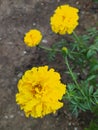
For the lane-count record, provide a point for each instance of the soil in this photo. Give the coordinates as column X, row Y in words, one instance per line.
column 16, row 18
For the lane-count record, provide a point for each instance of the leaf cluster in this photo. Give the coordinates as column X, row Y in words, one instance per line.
column 83, row 57
column 84, row 62
column 78, row 101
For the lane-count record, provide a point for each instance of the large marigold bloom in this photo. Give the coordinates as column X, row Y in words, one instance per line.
column 64, row 19
column 32, row 38
column 40, row 92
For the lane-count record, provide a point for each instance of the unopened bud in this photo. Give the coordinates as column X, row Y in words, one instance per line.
column 64, row 50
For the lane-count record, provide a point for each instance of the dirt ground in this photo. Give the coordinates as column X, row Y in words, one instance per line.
column 16, row 18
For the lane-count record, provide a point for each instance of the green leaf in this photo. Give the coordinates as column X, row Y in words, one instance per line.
column 91, row 77
column 91, row 53
column 71, row 56
column 83, row 106
column 73, row 102
column 94, row 47
column 95, row 95
column 71, row 87
column 91, row 89
column 96, row 40
column 94, row 68
column 92, row 32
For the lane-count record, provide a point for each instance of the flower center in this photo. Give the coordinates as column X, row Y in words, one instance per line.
column 63, row 17
column 37, row 89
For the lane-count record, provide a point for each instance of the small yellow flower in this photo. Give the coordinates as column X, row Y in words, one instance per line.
column 40, row 92
column 64, row 19
column 32, row 38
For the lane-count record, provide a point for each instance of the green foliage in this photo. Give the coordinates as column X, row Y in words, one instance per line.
column 94, row 122
column 95, row 110
column 93, row 126
column 81, row 59
column 82, row 91
column 95, row 1
column 78, row 101
column 84, row 57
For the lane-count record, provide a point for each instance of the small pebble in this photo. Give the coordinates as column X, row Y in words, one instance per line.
column 20, row 113
column 77, row 2
column 75, row 128
column 6, row 117
column 24, row 52
column 34, row 24
column 82, row 12
column 11, row 116
column 69, row 123
column 44, row 41
column 42, row 3
column 15, row 79
column 19, row 75
column 10, row 43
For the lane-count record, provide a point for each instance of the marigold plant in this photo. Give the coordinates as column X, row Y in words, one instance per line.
column 33, row 37
column 64, row 19
column 40, row 91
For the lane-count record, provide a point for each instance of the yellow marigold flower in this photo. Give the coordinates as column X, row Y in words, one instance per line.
column 32, row 38
column 40, row 91
column 64, row 20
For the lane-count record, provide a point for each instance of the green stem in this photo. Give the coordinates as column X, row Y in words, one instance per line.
column 72, row 75
column 48, row 48
column 45, row 48
column 77, row 38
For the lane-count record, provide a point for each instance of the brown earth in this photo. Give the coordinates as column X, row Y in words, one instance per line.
column 16, row 18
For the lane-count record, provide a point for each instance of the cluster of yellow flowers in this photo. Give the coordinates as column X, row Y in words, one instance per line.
column 64, row 20
column 40, row 91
